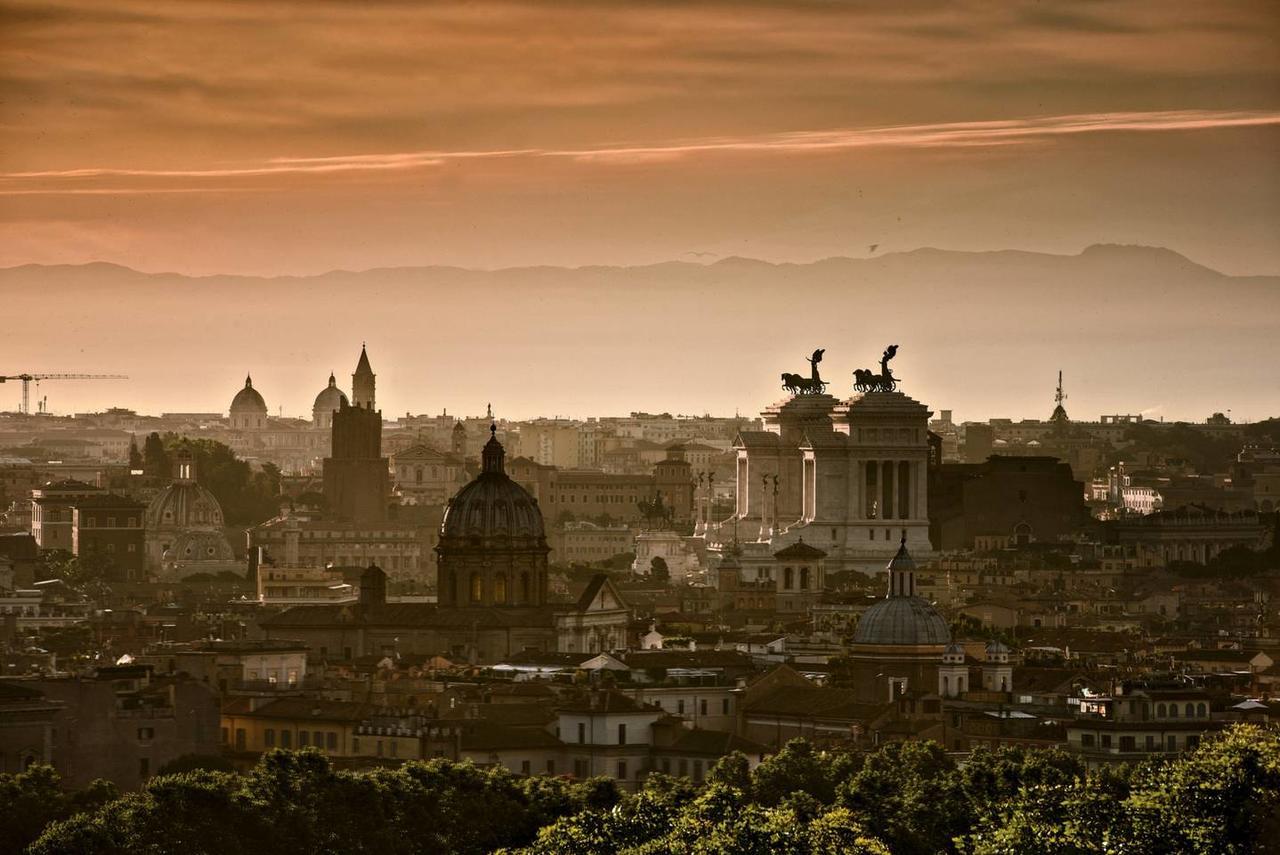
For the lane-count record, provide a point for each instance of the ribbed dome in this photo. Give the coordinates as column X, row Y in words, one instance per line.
column 902, row 617
column 247, row 400
column 199, row 546
column 330, row 399
column 494, row 507
column 902, row 620
column 184, row 504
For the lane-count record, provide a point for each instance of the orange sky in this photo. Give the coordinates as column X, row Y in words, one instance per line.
column 295, row 137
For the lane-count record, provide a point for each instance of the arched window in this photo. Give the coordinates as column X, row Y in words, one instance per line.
column 1161, row 712
column 500, row 588
column 946, row 685
column 477, row 587
column 417, row 475
column 1202, row 710
column 1022, row 534
column 524, row 587
column 1173, row 710
column 1190, row 710
column 804, row 578
column 788, row 578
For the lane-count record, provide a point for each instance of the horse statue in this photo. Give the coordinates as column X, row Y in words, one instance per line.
column 811, row 385
column 864, row 380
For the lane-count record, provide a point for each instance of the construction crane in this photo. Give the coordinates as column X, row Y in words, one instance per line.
column 28, row 378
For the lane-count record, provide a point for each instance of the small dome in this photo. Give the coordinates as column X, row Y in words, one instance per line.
column 955, row 648
column 182, row 505
column 331, row 398
column 494, row 507
column 247, row 400
column 996, row 647
column 902, row 620
column 193, row 546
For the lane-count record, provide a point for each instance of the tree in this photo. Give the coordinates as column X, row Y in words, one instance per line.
column 155, row 457
column 658, row 570
column 136, row 460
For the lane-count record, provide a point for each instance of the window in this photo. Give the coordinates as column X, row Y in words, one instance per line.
column 579, row 768
column 1161, row 711
column 704, row 706
column 240, row 738
column 724, row 704
column 622, row 770
column 317, row 739
column 1190, row 710
column 286, row 739
column 525, row 767
column 1202, row 710
column 551, row 767
column 269, row 737
column 1172, row 743
column 622, row 738
column 697, row 771
column 355, row 745
column 680, row 706
column 304, row 738
column 582, row 733
column 1128, row 743
column 684, row 768
column 788, row 579
column 331, row 741
column 1086, row 740
column 477, row 588
column 146, row 734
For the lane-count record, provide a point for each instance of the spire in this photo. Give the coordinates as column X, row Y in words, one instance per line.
column 333, row 381
column 363, row 382
column 493, row 454
column 248, row 382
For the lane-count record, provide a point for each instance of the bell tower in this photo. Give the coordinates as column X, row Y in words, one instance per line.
column 363, row 382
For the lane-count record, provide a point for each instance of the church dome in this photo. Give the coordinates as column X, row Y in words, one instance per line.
column 247, row 400
column 331, row 398
column 902, row 618
column 493, row 507
column 199, row 546
column 184, row 504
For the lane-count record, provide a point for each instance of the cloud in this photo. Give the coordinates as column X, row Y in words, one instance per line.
column 979, row 134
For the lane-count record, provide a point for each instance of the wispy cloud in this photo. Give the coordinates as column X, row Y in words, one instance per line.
column 981, row 134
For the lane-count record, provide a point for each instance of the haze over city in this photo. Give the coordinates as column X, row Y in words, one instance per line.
column 686, row 426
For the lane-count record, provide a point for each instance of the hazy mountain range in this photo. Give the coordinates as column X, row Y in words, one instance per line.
column 1134, row 329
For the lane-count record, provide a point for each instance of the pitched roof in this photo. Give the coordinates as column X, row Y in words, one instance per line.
column 815, row 702
column 489, row 736
column 314, row 709
column 606, row 701
column 713, row 743
column 800, row 549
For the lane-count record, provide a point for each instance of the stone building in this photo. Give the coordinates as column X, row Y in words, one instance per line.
column 356, row 475
column 899, row 642
column 1010, row 500
column 493, row 591
column 248, row 409
column 53, row 512
column 184, row 525
column 111, row 528
column 848, row 476
column 328, row 401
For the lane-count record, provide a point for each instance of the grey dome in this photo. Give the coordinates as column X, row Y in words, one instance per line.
column 494, row 508
column 184, row 504
column 331, row 398
column 902, row 620
column 247, row 400
column 199, row 546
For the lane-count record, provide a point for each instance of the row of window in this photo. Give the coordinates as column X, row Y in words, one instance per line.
column 1130, row 743
column 93, row 521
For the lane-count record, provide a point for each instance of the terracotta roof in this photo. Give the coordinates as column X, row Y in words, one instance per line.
column 814, row 702
column 296, row 709
column 713, row 743
column 490, row 736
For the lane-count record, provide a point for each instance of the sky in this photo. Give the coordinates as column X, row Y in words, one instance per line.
column 228, row 136
column 303, row 136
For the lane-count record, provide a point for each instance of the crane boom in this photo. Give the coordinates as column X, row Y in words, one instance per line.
column 27, row 378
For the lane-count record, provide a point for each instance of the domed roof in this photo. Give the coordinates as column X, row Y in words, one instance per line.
column 902, row 617
column 199, row 546
column 902, row 620
column 330, row 398
column 184, row 504
column 493, row 506
column 247, row 400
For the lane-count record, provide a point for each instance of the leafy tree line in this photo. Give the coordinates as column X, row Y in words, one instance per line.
column 247, row 497
column 1223, row 797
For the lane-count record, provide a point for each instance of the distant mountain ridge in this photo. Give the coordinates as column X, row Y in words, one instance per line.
column 1101, row 251
column 1136, row 329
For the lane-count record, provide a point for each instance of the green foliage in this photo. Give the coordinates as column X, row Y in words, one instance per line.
column 247, row 497
column 194, row 762
column 31, row 800
column 1223, row 797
